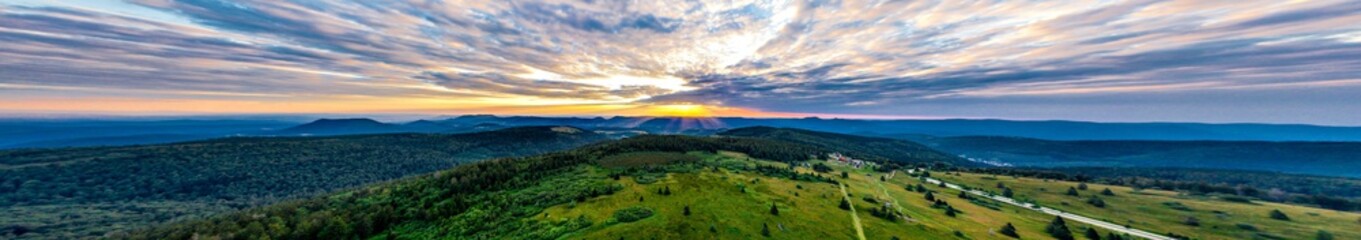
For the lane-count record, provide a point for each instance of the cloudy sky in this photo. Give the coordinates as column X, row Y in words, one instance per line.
column 1207, row 61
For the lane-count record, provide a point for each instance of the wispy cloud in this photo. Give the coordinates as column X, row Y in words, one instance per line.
column 844, row 57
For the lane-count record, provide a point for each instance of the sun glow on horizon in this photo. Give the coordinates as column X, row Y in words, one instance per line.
column 679, row 110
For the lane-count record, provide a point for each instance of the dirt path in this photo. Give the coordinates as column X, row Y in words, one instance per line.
column 896, row 206
column 1051, row 211
column 859, row 231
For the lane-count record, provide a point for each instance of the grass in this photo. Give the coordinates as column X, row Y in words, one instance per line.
column 1164, row 211
column 721, row 209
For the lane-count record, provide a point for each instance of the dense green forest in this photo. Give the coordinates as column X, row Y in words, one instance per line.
column 881, row 150
column 82, row 192
column 479, row 200
column 1317, row 158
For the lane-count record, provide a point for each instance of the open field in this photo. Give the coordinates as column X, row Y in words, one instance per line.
column 731, row 203
column 1168, row 212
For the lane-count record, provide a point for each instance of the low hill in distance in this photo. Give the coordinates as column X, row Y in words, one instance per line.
column 1316, row 158
column 881, row 150
column 83, row 133
column 683, row 187
column 88, row 192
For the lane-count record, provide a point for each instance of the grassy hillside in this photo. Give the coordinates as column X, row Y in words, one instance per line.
column 84, row 192
column 676, row 187
column 881, row 150
column 1215, row 217
column 1318, row 158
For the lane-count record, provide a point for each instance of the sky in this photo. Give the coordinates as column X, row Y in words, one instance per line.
column 1271, row 61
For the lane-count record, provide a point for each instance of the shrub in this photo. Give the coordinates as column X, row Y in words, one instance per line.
column 1278, row 215
column 1009, row 231
column 1191, row 221
column 1323, row 235
column 1107, row 192
column 1246, row 226
column 631, row 214
column 1096, row 201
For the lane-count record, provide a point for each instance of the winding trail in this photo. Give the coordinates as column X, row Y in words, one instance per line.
column 1055, row 212
column 859, row 230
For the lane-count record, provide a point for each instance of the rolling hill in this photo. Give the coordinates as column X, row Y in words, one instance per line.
column 679, row 187
column 881, row 150
column 86, row 192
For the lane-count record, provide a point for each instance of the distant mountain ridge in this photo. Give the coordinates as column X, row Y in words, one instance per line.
column 19, row 134
column 1050, row 130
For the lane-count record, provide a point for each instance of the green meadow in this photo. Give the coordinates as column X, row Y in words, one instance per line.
column 728, row 199
column 1215, row 217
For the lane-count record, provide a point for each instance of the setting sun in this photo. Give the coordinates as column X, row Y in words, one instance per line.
column 679, row 110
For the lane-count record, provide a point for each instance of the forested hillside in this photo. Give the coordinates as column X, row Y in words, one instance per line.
column 881, row 150
column 490, row 191
column 80, row 192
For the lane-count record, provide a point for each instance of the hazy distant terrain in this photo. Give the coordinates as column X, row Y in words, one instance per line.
column 1318, row 158
column 34, row 133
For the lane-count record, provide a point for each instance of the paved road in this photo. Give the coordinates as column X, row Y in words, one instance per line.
column 1051, row 211
column 859, row 231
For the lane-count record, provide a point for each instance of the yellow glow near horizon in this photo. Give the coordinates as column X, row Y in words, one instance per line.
column 679, row 110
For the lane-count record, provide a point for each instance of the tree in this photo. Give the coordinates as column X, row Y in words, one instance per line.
column 846, row 205
column 1092, row 234
column 881, row 179
column 687, row 210
column 1072, row 191
column 1082, row 186
column 1278, row 215
column 773, row 210
column 1323, row 235
column 1059, row 229
column 765, row 230
column 940, row 184
column 1009, row 231
column 1107, row 192
column 844, row 174
column 950, row 211
column 999, row 185
column 964, row 195
column 1112, row 236
column 1006, row 192
column 930, row 197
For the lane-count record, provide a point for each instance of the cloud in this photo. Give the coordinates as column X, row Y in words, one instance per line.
column 847, row 56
